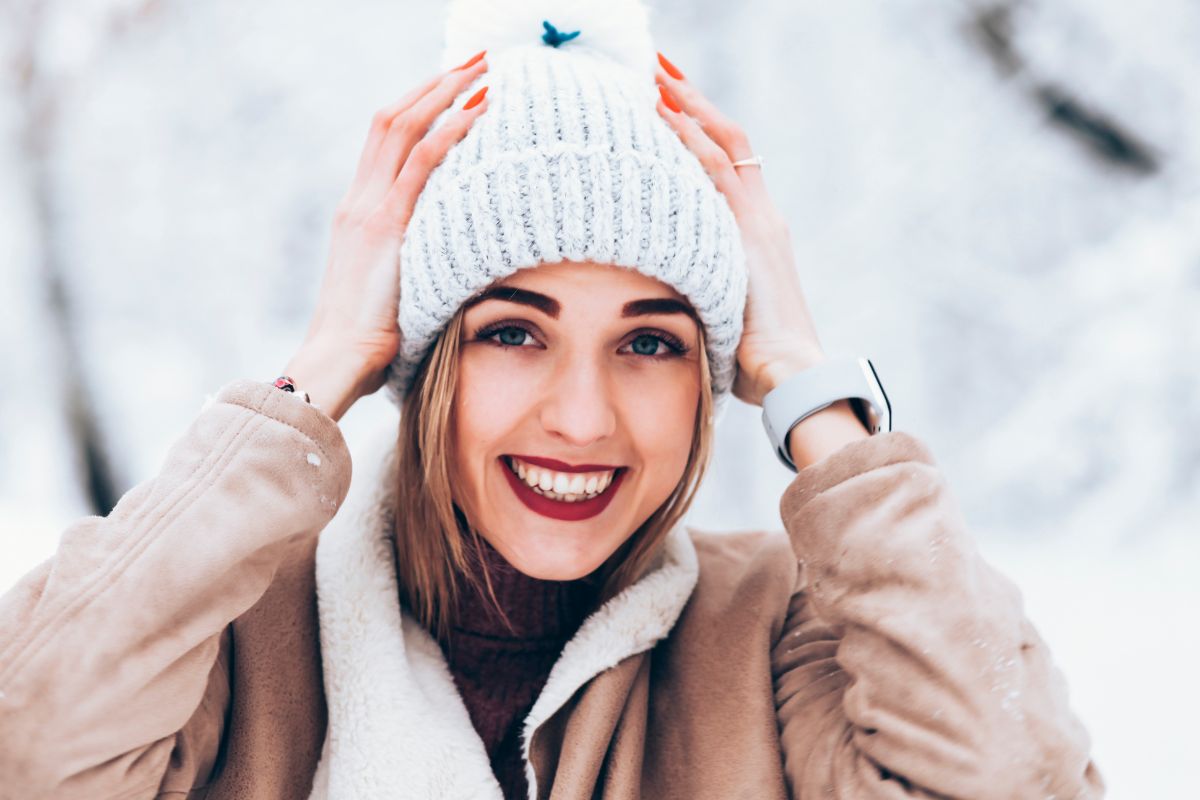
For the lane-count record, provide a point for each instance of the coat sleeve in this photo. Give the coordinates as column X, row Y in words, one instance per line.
column 906, row 666
column 112, row 652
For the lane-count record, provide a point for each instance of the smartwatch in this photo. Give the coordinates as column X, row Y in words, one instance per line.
column 820, row 386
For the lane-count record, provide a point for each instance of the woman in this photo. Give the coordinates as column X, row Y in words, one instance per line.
column 514, row 609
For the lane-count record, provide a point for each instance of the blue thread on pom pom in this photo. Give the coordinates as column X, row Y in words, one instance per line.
column 554, row 37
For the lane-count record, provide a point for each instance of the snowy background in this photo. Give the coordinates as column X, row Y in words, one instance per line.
column 998, row 202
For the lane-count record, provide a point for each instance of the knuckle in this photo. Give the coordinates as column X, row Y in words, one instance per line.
column 713, row 124
column 737, row 138
column 711, row 158
column 716, row 126
column 423, row 154
column 401, row 124
column 342, row 213
column 416, row 157
column 724, row 129
column 381, row 120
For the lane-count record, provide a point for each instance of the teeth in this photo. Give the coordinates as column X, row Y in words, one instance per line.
column 564, row 487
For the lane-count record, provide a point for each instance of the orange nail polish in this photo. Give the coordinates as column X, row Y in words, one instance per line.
column 471, row 61
column 671, row 69
column 668, row 99
column 476, row 99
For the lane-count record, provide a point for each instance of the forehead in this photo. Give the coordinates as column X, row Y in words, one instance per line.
column 589, row 279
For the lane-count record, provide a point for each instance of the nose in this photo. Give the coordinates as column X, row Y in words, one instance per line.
column 579, row 406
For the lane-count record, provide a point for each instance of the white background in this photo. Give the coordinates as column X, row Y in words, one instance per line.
column 1031, row 305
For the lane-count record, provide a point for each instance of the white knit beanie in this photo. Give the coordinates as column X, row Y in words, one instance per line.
column 571, row 161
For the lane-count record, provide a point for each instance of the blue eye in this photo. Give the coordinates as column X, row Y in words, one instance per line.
column 505, row 335
column 649, row 344
column 512, row 336
column 646, row 344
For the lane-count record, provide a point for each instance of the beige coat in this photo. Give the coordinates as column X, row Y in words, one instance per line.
column 176, row 647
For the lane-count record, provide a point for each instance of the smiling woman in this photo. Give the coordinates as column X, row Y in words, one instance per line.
column 553, row 365
column 560, row 280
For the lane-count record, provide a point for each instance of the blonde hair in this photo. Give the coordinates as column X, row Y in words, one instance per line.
column 432, row 532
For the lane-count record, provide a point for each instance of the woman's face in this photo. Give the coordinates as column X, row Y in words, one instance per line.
column 586, row 377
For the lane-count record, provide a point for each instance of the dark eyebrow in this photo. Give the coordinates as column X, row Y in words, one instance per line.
column 658, row 305
column 550, row 307
column 547, row 305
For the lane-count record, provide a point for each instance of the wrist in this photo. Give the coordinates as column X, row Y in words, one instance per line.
column 780, row 369
column 824, row 433
column 332, row 379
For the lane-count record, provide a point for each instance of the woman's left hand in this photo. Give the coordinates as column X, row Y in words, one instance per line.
column 779, row 338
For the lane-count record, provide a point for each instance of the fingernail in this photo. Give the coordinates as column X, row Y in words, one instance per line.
column 476, row 99
column 471, row 61
column 671, row 69
column 668, row 99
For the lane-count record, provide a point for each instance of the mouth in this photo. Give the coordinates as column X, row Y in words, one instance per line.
column 562, row 495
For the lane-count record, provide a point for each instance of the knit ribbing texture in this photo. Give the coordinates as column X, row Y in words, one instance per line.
column 570, row 162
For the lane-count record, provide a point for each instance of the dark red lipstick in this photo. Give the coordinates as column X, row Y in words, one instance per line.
column 561, row 466
column 556, row 509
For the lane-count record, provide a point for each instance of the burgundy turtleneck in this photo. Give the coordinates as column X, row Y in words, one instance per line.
column 499, row 672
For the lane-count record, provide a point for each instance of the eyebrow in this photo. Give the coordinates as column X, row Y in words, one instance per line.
column 551, row 307
column 547, row 305
column 658, row 305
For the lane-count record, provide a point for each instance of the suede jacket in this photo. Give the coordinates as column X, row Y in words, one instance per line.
column 232, row 630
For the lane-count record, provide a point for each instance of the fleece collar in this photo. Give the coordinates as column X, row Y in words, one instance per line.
column 397, row 725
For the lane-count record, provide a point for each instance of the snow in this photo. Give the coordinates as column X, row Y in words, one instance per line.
column 1030, row 305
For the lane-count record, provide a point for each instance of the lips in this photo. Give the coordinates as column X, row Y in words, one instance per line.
column 555, row 509
column 559, row 466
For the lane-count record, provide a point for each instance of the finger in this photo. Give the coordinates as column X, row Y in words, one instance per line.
column 380, row 122
column 397, row 206
column 728, row 135
column 408, row 127
column 713, row 158
column 383, row 118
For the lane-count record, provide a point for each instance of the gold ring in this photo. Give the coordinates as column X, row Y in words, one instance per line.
column 752, row 161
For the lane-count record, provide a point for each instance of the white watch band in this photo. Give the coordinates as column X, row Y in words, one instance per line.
column 822, row 385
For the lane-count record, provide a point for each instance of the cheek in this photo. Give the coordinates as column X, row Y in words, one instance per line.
column 661, row 418
column 490, row 402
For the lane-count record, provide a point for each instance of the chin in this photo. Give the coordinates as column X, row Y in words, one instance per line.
column 553, row 572
column 552, row 562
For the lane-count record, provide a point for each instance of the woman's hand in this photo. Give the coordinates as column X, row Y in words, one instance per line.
column 779, row 338
column 353, row 335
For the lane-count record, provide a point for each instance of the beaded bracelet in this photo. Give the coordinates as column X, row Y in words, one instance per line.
column 288, row 385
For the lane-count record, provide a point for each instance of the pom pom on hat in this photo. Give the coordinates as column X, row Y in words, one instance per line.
column 571, row 162
column 617, row 29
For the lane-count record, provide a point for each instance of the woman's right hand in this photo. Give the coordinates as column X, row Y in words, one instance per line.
column 354, row 335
